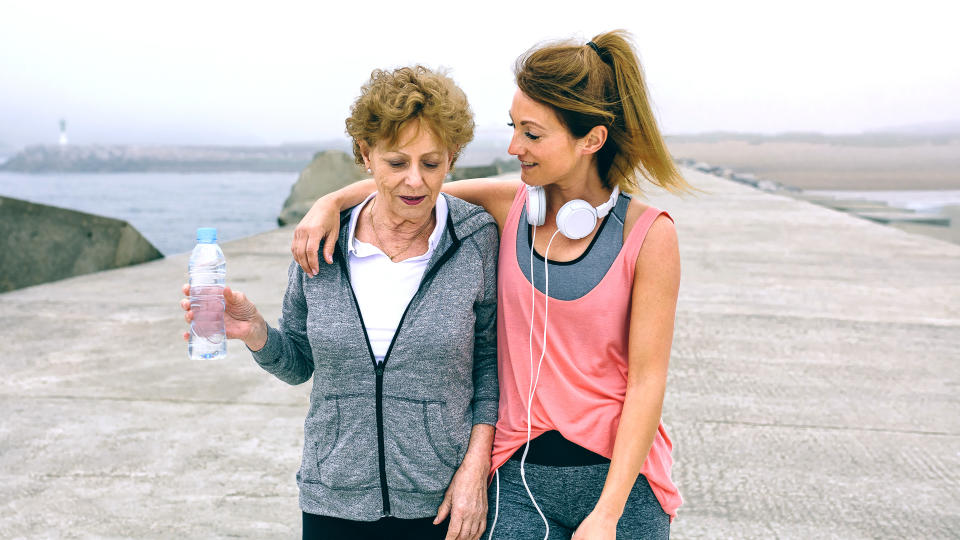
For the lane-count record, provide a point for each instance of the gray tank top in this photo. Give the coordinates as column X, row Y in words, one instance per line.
column 573, row 279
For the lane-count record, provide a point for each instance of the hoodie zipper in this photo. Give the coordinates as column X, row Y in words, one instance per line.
column 378, row 368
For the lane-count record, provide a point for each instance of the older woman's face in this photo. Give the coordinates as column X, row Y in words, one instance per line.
column 409, row 176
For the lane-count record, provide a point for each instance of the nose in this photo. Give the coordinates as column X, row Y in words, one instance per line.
column 515, row 148
column 414, row 177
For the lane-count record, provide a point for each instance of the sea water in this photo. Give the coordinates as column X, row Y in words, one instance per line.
column 167, row 208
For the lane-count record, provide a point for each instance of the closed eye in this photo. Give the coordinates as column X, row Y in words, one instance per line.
column 529, row 135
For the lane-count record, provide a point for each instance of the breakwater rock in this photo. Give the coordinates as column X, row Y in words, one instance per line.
column 329, row 171
column 117, row 158
column 43, row 243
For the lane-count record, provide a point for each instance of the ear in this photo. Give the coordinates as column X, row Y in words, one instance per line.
column 453, row 154
column 593, row 141
column 365, row 153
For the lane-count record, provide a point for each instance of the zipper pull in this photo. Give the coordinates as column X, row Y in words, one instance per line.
column 379, row 368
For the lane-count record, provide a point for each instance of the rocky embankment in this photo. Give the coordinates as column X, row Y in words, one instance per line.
column 106, row 159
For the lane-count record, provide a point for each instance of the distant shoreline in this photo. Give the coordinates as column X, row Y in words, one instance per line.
column 866, row 163
column 881, row 161
column 895, row 208
column 125, row 159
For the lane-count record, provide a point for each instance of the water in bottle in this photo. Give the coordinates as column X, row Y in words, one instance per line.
column 208, row 337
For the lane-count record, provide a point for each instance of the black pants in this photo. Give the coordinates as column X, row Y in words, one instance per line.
column 388, row 528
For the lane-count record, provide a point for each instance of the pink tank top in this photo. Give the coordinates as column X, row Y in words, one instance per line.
column 583, row 379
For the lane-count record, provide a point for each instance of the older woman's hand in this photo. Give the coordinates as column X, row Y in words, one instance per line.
column 241, row 318
column 466, row 500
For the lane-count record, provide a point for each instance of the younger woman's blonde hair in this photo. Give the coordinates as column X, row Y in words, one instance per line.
column 603, row 85
column 392, row 99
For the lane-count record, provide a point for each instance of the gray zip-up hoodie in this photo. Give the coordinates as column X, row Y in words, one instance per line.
column 386, row 440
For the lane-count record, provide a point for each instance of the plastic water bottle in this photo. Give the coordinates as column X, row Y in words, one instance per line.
column 208, row 269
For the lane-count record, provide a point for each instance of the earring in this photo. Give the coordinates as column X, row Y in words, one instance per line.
column 369, row 170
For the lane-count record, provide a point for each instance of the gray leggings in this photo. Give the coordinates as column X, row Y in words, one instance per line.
column 566, row 495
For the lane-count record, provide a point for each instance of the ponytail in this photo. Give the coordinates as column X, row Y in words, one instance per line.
column 602, row 83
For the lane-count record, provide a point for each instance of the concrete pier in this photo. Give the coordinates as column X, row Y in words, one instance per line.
column 814, row 389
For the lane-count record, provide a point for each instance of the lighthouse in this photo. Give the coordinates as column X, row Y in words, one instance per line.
column 63, row 132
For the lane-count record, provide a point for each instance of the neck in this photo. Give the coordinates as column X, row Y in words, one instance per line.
column 387, row 223
column 585, row 184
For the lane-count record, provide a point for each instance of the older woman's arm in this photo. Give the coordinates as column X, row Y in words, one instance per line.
column 285, row 352
column 466, row 498
column 486, row 385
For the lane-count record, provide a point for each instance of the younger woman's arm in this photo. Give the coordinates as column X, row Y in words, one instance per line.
column 321, row 225
column 656, row 286
column 494, row 195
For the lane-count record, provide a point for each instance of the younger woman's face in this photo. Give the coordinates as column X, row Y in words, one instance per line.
column 546, row 149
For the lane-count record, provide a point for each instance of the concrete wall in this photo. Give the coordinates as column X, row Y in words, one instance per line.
column 40, row 243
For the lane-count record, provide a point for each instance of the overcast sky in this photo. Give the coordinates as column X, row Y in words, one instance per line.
column 237, row 73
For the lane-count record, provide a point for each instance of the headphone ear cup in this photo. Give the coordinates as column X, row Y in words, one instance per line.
column 576, row 219
column 536, row 205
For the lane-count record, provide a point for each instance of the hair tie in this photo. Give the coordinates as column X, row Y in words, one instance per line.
column 602, row 53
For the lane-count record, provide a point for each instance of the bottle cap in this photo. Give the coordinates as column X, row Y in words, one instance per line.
column 207, row 235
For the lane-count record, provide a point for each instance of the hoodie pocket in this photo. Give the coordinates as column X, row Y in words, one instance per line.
column 345, row 451
column 420, row 454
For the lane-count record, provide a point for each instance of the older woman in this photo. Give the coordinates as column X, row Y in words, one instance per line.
column 399, row 335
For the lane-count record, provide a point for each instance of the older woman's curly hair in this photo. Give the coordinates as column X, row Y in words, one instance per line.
column 391, row 99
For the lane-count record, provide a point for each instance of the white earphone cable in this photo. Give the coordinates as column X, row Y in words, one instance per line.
column 496, row 507
column 533, row 308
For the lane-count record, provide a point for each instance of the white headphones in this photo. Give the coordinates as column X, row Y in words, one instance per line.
column 575, row 220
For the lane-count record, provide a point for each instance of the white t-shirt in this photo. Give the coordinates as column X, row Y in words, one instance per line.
column 384, row 288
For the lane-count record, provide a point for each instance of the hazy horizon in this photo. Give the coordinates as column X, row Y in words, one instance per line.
column 213, row 73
